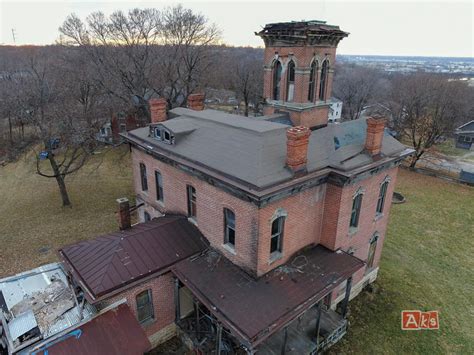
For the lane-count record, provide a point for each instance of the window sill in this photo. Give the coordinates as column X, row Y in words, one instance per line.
column 275, row 256
column 378, row 216
column 230, row 248
column 353, row 230
column 160, row 203
column 148, row 322
column 193, row 220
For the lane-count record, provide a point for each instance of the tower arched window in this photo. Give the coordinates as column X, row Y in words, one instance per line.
column 290, row 81
column 324, row 80
column 312, row 80
column 277, row 69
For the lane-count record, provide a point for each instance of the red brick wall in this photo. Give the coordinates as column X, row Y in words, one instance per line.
column 162, row 290
column 317, row 215
column 302, row 225
column 338, row 206
column 210, row 202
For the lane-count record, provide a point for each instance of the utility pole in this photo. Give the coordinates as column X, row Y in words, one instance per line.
column 14, row 36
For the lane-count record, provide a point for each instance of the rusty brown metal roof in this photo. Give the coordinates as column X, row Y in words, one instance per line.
column 253, row 309
column 115, row 332
column 115, row 260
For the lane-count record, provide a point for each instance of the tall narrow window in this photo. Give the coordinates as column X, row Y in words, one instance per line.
column 356, row 204
column 371, row 256
column 144, row 306
column 191, row 191
column 323, row 81
column 312, row 80
column 276, row 80
column 143, row 177
column 229, row 227
column 290, row 82
column 381, row 200
column 159, row 186
column 276, row 240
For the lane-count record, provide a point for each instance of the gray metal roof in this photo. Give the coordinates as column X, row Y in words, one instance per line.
column 253, row 150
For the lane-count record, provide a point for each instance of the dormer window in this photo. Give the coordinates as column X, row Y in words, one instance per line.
column 162, row 134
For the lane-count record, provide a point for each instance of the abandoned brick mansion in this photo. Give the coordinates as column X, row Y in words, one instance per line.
column 254, row 233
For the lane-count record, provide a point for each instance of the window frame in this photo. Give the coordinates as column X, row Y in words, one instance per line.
column 229, row 225
column 122, row 128
column 290, row 84
column 159, row 186
column 382, row 195
column 323, row 80
column 276, row 80
column 143, row 177
column 191, row 199
column 372, row 249
column 312, row 80
column 355, row 210
column 280, row 220
column 150, row 312
column 146, row 216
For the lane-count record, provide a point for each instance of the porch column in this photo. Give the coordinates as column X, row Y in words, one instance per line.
column 176, row 300
column 196, row 311
column 318, row 323
column 219, row 339
column 285, row 340
column 346, row 298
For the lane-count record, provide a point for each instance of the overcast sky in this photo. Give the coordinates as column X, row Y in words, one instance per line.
column 423, row 28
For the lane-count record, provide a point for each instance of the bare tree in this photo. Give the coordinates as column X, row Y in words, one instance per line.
column 247, row 81
column 60, row 101
column 426, row 107
column 145, row 51
column 356, row 86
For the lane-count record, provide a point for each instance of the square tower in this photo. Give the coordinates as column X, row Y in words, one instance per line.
column 298, row 69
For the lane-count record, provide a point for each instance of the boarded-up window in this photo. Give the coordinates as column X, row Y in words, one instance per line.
column 371, row 256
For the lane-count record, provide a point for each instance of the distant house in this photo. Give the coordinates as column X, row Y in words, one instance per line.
column 335, row 110
column 464, row 136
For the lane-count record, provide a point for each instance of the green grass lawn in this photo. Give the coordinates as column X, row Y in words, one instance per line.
column 33, row 224
column 448, row 148
column 427, row 260
column 427, row 264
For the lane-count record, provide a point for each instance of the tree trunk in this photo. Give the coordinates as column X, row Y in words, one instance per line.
column 63, row 191
column 10, row 127
column 60, row 180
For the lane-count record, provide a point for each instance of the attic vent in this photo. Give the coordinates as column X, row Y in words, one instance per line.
column 163, row 135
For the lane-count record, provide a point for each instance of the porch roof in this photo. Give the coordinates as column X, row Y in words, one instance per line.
column 253, row 309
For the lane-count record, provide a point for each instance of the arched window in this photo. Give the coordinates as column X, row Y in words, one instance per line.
column 276, row 80
column 372, row 248
column 356, row 205
column 229, row 227
column 323, row 80
column 312, row 80
column 276, row 239
column 290, row 81
column 381, row 200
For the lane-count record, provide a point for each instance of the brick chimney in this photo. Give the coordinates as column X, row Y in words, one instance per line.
column 297, row 139
column 158, row 110
column 196, row 102
column 375, row 130
column 124, row 213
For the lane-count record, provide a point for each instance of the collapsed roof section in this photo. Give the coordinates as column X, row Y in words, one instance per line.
column 311, row 33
